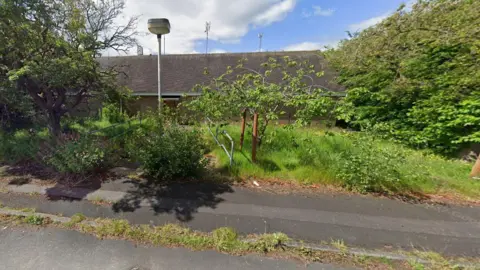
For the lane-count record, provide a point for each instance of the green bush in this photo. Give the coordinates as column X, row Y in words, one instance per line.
column 369, row 168
column 415, row 76
column 167, row 152
column 19, row 146
column 80, row 156
column 113, row 114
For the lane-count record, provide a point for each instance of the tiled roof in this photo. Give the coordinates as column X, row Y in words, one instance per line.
column 180, row 73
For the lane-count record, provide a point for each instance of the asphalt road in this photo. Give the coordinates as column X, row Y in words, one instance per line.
column 56, row 249
column 367, row 222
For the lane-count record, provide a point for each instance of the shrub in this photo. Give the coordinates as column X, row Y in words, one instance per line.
column 17, row 147
column 369, row 167
column 80, row 156
column 113, row 114
column 167, row 152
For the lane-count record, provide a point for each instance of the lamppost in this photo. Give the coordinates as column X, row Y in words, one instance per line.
column 159, row 27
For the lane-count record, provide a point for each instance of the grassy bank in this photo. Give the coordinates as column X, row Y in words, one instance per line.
column 355, row 161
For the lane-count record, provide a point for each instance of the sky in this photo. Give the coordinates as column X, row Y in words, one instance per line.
column 236, row 24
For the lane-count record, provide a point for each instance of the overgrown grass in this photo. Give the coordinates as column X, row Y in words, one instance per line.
column 35, row 144
column 20, row 145
column 102, row 127
column 356, row 161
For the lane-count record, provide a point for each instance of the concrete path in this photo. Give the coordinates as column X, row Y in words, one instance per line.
column 358, row 221
column 55, row 249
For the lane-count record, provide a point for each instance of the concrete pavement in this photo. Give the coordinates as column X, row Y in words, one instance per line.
column 56, row 249
column 359, row 221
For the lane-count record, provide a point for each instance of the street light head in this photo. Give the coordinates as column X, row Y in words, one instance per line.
column 159, row 26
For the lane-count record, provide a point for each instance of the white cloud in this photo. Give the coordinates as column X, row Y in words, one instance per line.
column 218, row 51
column 230, row 20
column 311, row 46
column 274, row 13
column 356, row 27
column 306, row 14
column 318, row 11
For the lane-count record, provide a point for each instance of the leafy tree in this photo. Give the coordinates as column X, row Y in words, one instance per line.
column 269, row 92
column 48, row 50
column 16, row 109
column 416, row 76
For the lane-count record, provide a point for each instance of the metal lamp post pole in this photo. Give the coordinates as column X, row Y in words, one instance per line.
column 159, row 37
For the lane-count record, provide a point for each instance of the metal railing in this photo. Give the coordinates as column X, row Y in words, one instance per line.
column 215, row 137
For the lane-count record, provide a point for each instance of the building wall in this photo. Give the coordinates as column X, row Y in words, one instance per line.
column 145, row 104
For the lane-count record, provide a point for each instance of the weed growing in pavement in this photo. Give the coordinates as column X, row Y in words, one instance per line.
column 75, row 219
column 339, row 244
column 226, row 239
column 99, row 201
column 34, row 220
column 269, row 242
column 416, row 265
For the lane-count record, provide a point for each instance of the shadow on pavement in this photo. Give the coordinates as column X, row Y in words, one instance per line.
column 66, row 186
column 180, row 199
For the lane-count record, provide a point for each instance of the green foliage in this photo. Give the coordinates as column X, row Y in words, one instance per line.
column 167, row 151
column 75, row 219
column 34, row 220
column 48, row 50
column 113, row 114
column 18, row 146
column 78, row 156
column 369, row 167
column 16, row 109
column 415, row 76
column 115, row 227
column 269, row 242
column 225, row 238
column 357, row 161
column 263, row 92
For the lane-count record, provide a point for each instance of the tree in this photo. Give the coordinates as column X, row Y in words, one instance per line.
column 415, row 77
column 267, row 93
column 48, row 50
column 16, row 109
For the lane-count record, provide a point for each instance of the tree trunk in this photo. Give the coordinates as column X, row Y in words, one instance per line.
column 262, row 132
column 254, row 137
column 54, row 124
column 242, row 134
column 476, row 168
